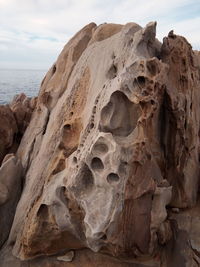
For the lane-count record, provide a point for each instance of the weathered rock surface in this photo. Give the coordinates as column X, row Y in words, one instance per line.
column 111, row 155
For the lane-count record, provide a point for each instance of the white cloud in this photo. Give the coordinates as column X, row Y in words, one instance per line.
column 42, row 27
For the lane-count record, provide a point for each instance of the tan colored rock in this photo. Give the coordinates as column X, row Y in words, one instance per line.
column 112, row 146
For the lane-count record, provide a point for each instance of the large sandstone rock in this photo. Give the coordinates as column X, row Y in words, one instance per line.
column 112, row 150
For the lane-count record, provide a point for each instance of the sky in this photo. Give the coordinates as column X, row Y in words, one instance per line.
column 33, row 32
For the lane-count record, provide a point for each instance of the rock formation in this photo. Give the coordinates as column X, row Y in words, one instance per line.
column 110, row 159
column 14, row 119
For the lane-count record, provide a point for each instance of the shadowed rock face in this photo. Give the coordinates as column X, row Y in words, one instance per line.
column 14, row 119
column 10, row 191
column 7, row 131
column 111, row 153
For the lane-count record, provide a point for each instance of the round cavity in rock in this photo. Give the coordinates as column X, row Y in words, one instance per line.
column 141, row 81
column 97, row 164
column 75, row 159
column 91, row 125
column 119, row 116
column 100, row 147
column 87, row 180
column 67, row 126
column 43, row 211
column 113, row 178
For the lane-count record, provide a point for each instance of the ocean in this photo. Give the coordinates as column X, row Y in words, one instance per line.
column 13, row 82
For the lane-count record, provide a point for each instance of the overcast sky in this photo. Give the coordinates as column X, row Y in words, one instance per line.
column 33, row 32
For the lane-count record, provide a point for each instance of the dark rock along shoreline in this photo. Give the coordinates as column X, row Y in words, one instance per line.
column 102, row 168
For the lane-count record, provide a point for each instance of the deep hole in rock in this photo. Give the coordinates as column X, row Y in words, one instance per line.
column 97, row 164
column 92, row 125
column 75, row 159
column 67, row 127
column 141, row 81
column 87, row 179
column 113, row 178
column 43, row 211
column 119, row 116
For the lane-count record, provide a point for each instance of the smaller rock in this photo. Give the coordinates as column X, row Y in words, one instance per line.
column 67, row 257
column 22, row 108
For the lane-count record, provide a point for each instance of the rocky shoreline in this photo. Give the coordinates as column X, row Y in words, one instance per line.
column 102, row 168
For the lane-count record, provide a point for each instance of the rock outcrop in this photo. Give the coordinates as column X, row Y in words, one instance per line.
column 110, row 158
column 14, row 119
column 7, row 131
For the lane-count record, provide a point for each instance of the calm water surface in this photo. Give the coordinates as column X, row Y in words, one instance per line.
column 13, row 82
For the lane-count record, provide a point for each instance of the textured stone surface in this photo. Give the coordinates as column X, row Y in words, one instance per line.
column 111, row 155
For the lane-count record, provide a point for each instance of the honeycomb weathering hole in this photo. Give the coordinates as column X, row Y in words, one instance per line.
column 112, row 178
column 87, row 179
column 97, row 164
column 100, row 147
column 141, row 81
column 43, row 211
column 119, row 116
column 67, row 127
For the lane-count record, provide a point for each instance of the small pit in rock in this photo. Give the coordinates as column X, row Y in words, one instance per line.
column 75, row 159
column 67, row 127
column 113, row 178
